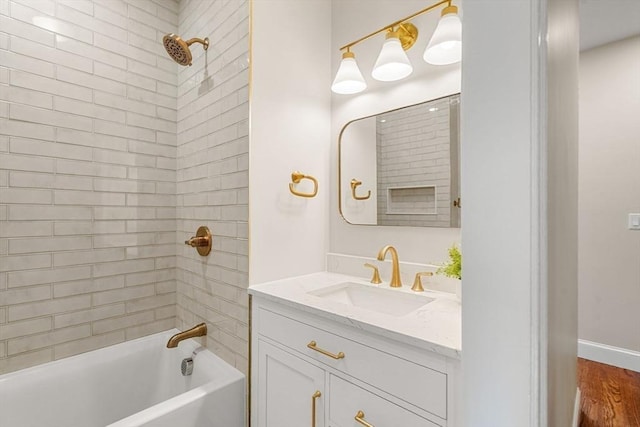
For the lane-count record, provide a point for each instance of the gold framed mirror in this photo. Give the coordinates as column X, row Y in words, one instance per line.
column 402, row 167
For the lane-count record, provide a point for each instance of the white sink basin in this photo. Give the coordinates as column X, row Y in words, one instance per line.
column 394, row 303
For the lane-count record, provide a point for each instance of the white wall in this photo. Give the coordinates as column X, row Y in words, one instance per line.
column 212, row 176
column 505, row 173
column 497, row 180
column 87, row 176
column 560, row 165
column 609, row 253
column 290, row 122
column 352, row 20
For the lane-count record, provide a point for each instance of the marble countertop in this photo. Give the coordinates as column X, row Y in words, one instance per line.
column 436, row 326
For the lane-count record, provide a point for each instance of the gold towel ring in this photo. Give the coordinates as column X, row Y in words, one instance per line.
column 296, row 177
column 354, row 184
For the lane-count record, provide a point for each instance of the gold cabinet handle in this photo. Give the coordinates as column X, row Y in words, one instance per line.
column 354, row 184
column 314, row 398
column 296, row 177
column 313, row 346
column 360, row 419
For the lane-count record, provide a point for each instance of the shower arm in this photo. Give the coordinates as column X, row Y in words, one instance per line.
column 205, row 42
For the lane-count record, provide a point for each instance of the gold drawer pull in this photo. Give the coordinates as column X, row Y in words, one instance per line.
column 360, row 419
column 312, row 346
column 314, row 397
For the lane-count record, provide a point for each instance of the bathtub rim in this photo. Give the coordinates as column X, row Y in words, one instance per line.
column 116, row 349
column 126, row 348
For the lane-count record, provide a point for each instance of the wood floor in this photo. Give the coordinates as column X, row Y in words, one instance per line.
column 610, row 395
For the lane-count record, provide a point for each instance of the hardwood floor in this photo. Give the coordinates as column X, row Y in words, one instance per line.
column 610, row 395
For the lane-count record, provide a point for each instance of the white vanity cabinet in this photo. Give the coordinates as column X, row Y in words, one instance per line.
column 302, row 361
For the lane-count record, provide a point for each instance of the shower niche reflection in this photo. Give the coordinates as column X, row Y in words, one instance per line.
column 401, row 167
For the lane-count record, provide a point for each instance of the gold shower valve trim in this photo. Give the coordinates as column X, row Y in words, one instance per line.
column 202, row 241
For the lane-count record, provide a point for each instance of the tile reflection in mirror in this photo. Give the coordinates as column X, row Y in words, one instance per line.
column 409, row 159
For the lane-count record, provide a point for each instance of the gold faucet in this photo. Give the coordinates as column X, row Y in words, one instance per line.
column 396, row 282
column 199, row 330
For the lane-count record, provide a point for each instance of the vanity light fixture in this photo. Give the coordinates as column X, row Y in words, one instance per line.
column 392, row 63
column 445, row 46
column 348, row 79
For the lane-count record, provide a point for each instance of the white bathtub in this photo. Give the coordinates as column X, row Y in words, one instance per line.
column 136, row 383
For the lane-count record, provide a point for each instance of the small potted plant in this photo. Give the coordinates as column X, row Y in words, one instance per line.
column 453, row 268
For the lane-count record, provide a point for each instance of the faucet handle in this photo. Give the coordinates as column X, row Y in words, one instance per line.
column 376, row 275
column 417, row 282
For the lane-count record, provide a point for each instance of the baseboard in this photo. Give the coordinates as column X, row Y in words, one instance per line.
column 615, row 356
column 576, row 409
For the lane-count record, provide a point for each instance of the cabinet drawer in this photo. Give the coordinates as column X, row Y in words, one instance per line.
column 416, row 384
column 347, row 399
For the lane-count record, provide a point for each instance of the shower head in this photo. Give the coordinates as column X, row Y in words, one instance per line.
column 178, row 49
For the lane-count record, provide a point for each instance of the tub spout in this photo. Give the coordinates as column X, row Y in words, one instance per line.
column 197, row 331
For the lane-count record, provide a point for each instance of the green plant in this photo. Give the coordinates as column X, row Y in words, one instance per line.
column 453, row 268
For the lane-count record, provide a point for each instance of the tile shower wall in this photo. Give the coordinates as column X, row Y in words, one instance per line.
column 87, row 176
column 414, row 151
column 212, row 175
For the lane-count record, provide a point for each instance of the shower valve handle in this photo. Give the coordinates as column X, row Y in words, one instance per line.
column 197, row 241
column 202, row 241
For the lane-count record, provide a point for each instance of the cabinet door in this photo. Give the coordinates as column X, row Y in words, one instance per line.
column 288, row 390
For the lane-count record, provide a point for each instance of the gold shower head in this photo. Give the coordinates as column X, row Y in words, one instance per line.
column 178, row 49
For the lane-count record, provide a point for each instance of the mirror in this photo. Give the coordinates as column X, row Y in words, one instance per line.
column 402, row 167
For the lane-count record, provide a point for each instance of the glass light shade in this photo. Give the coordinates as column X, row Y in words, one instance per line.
column 445, row 46
column 392, row 63
column 348, row 79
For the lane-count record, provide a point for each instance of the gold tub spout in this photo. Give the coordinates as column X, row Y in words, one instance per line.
column 197, row 331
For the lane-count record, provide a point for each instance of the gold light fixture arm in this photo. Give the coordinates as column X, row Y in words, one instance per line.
column 355, row 183
column 296, row 177
column 396, row 23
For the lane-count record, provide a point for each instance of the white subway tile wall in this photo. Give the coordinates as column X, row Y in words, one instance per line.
column 212, row 175
column 414, row 151
column 88, row 101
